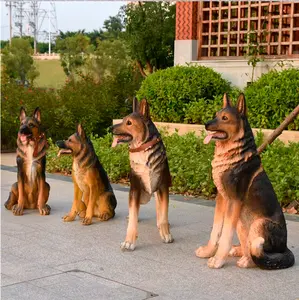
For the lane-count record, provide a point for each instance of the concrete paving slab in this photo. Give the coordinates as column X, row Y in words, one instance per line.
column 44, row 258
column 8, row 159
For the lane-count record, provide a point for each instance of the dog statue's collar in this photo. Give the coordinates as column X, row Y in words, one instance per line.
column 145, row 146
column 37, row 146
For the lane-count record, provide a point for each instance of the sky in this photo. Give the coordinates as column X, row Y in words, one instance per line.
column 72, row 15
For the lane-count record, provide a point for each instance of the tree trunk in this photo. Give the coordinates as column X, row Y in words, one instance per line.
column 279, row 129
column 149, row 67
column 141, row 69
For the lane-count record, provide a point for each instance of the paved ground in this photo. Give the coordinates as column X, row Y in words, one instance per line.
column 44, row 258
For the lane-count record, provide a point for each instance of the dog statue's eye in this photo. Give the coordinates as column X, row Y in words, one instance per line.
column 129, row 122
column 224, row 118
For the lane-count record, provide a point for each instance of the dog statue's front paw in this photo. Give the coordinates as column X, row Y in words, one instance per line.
column 87, row 221
column 165, row 234
column 206, row 251
column 17, row 210
column 45, row 210
column 127, row 246
column 167, row 238
column 104, row 216
column 236, row 251
column 82, row 214
column 216, row 262
column 245, row 262
column 69, row 217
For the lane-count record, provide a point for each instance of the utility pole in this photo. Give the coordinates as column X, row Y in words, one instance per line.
column 19, row 16
column 10, row 23
column 49, row 15
column 35, row 24
column 9, row 4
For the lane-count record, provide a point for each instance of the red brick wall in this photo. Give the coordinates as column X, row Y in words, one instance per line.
column 186, row 20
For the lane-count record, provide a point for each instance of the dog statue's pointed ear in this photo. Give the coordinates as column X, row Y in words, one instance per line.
column 81, row 132
column 226, row 101
column 144, row 109
column 37, row 114
column 135, row 105
column 241, row 105
column 22, row 114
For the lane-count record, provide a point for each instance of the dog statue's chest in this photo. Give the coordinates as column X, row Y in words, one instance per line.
column 30, row 165
column 142, row 169
column 219, row 169
column 79, row 175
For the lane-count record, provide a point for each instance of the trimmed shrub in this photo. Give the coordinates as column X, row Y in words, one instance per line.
column 272, row 97
column 170, row 91
column 190, row 164
column 201, row 111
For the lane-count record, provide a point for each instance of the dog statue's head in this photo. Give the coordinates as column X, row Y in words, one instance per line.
column 134, row 128
column 30, row 126
column 229, row 123
column 74, row 144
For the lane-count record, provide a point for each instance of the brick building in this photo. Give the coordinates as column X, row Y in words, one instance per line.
column 219, row 34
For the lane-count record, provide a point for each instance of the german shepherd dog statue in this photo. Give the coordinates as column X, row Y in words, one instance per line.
column 31, row 190
column 245, row 200
column 90, row 180
column 149, row 170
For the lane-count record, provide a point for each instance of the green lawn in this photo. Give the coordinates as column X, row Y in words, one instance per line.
column 51, row 74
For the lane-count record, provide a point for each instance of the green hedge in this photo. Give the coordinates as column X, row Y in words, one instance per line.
column 93, row 104
column 272, row 97
column 172, row 91
column 190, row 164
column 192, row 94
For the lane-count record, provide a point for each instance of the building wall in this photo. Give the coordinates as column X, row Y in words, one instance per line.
column 236, row 70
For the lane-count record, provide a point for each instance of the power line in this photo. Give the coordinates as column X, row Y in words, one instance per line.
column 28, row 18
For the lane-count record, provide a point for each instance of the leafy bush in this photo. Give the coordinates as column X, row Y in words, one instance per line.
column 282, row 166
column 13, row 97
column 172, row 90
column 94, row 105
column 190, row 164
column 272, row 97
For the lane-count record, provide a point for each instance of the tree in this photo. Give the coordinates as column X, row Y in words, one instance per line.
column 149, row 34
column 18, row 62
column 94, row 36
column 110, row 57
column 74, row 52
column 113, row 27
column 63, row 35
column 43, row 47
column 3, row 43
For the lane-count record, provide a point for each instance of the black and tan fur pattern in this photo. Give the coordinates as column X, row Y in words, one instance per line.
column 246, row 200
column 31, row 190
column 149, row 170
column 91, row 183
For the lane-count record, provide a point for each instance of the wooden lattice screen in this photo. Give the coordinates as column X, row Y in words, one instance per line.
column 224, row 28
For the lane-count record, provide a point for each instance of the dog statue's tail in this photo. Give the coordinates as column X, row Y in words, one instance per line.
column 270, row 261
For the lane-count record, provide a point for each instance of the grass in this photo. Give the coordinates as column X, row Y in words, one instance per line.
column 51, row 74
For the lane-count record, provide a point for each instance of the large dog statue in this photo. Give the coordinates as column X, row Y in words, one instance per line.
column 245, row 200
column 31, row 190
column 149, row 170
